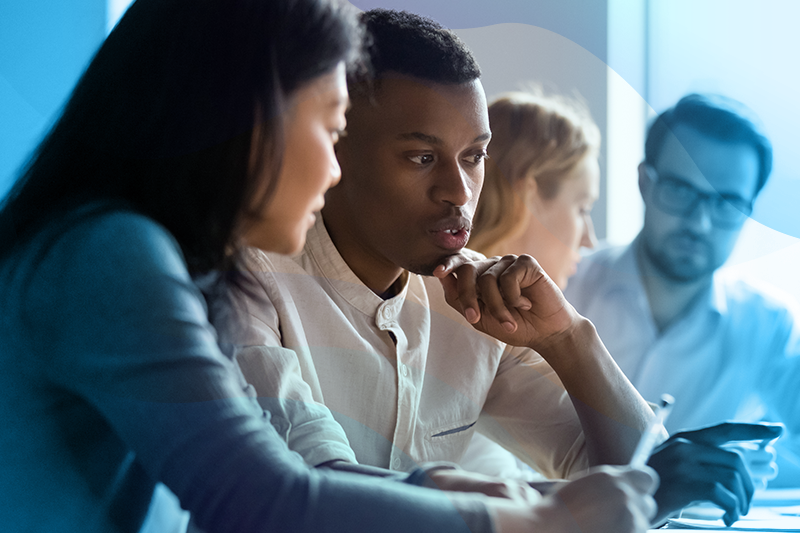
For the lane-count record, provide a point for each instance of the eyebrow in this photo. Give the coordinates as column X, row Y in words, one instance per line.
column 434, row 140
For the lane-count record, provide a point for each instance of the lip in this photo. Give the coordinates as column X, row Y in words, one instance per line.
column 688, row 244
column 451, row 233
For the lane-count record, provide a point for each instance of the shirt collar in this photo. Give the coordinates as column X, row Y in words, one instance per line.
column 319, row 248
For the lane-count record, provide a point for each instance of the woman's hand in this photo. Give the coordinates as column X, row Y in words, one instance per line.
column 608, row 499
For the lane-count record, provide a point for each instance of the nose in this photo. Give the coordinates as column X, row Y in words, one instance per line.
column 453, row 185
column 588, row 238
column 700, row 217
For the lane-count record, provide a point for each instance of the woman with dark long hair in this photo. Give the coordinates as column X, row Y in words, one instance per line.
column 200, row 126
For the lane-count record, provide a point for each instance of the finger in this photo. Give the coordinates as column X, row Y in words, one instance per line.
column 450, row 288
column 732, row 431
column 760, row 461
column 452, row 262
column 521, row 273
column 725, row 500
column 644, row 479
column 492, row 296
column 650, row 508
column 467, row 289
column 699, row 467
column 451, row 296
column 729, row 469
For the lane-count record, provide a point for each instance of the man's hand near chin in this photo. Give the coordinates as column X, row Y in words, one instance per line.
column 513, row 300
column 510, row 298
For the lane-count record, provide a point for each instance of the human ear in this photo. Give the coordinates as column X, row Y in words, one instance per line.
column 528, row 190
column 645, row 182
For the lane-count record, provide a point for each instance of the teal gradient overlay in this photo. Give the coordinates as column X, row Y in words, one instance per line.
column 45, row 44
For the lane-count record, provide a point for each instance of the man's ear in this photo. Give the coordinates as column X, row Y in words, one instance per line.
column 645, row 182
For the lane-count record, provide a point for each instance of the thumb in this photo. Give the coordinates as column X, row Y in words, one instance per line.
column 643, row 479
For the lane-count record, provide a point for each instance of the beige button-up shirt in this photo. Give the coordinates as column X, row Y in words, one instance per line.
column 407, row 378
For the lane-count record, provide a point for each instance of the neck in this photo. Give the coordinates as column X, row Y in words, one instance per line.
column 374, row 271
column 669, row 299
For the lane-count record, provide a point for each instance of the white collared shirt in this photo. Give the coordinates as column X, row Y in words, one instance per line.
column 407, row 377
column 733, row 356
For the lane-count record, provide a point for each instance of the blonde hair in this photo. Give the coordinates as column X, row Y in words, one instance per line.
column 534, row 136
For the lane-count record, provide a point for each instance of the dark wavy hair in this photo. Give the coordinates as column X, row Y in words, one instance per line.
column 414, row 45
column 162, row 120
column 717, row 117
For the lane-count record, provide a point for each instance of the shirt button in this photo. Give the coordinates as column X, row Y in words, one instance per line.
column 404, row 369
column 387, row 313
column 396, row 463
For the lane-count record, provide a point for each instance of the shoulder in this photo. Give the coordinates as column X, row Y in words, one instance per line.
column 603, row 257
column 106, row 260
column 124, row 239
column 93, row 244
column 594, row 270
column 752, row 296
column 260, row 262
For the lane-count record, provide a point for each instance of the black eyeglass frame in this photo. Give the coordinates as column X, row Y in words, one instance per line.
column 718, row 205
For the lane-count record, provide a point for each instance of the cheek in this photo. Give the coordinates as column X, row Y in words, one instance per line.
column 475, row 185
column 566, row 227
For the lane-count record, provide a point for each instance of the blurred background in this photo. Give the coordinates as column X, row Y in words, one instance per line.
column 628, row 59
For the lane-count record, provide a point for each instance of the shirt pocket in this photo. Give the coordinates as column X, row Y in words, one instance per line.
column 449, row 442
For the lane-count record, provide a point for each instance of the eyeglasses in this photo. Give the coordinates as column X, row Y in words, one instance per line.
column 677, row 197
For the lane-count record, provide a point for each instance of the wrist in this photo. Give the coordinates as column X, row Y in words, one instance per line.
column 570, row 344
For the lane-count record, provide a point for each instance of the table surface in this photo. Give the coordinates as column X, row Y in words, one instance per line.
column 772, row 510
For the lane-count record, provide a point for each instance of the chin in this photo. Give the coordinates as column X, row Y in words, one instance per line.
column 295, row 248
column 425, row 267
column 290, row 245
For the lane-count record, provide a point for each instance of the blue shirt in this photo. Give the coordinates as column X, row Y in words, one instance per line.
column 732, row 356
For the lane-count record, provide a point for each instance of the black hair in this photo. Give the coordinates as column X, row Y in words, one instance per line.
column 717, row 117
column 163, row 119
column 410, row 44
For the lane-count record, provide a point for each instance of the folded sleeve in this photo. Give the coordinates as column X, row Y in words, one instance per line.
column 528, row 412
column 250, row 329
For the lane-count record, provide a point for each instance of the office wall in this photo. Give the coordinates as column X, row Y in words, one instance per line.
column 44, row 46
column 746, row 50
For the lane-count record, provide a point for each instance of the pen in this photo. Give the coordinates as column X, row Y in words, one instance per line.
column 650, row 436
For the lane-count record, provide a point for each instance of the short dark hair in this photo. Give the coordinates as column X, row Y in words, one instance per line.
column 163, row 120
column 717, row 117
column 414, row 45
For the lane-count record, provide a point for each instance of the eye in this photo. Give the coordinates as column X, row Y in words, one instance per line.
column 475, row 159
column 422, row 159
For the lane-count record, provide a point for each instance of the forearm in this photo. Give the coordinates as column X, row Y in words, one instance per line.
column 611, row 411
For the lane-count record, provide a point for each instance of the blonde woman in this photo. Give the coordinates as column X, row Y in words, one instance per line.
column 542, row 179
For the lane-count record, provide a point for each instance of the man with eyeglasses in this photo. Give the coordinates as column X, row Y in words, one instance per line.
column 723, row 347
